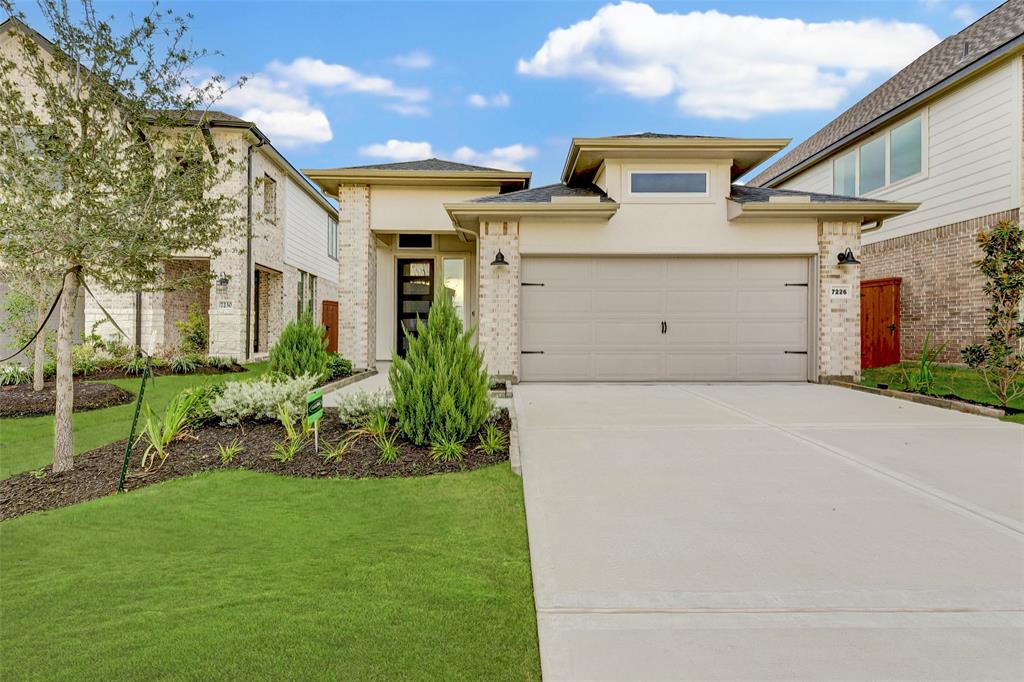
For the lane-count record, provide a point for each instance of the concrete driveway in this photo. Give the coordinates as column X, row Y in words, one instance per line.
column 771, row 532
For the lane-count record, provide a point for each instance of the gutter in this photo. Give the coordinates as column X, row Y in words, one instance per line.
column 970, row 70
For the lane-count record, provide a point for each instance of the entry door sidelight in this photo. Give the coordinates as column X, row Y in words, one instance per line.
column 415, row 294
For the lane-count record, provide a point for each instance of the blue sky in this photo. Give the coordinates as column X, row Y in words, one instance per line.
column 510, row 83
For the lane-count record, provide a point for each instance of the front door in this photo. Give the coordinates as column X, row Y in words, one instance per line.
column 330, row 318
column 415, row 293
column 879, row 322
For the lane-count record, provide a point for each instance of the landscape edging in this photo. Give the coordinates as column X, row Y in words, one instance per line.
column 945, row 403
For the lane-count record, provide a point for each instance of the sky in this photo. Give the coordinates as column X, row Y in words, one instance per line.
column 509, row 84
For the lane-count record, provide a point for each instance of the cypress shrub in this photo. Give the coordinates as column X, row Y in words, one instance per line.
column 441, row 386
column 302, row 349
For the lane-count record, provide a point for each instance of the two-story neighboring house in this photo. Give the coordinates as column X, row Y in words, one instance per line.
column 946, row 131
column 285, row 264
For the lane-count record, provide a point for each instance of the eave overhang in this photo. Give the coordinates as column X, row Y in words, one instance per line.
column 468, row 215
column 328, row 179
column 867, row 213
column 587, row 154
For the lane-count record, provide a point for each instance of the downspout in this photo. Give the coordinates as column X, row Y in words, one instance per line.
column 248, row 252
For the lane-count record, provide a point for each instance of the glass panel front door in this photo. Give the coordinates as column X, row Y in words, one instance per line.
column 453, row 273
column 415, row 293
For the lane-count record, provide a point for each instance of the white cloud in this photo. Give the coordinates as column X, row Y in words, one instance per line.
column 417, row 59
column 408, row 109
column 399, row 150
column 317, row 72
column 505, row 158
column 280, row 110
column 483, row 101
column 723, row 66
column 965, row 14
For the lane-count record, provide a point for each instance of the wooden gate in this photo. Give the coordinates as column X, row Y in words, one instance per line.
column 330, row 318
column 879, row 322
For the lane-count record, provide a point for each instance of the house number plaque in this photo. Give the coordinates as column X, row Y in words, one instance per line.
column 839, row 292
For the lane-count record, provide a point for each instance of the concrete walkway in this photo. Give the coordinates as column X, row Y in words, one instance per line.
column 771, row 532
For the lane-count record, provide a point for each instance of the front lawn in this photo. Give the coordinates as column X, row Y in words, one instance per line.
column 242, row 575
column 27, row 443
column 949, row 380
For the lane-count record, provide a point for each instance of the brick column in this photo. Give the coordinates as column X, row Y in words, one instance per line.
column 227, row 304
column 499, row 298
column 838, row 318
column 357, row 277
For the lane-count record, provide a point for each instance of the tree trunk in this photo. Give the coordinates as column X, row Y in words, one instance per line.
column 62, row 440
column 40, row 353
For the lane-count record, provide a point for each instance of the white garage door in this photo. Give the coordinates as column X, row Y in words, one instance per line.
column 669, row 319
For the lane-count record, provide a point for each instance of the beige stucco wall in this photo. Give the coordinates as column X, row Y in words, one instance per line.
column 418, row 209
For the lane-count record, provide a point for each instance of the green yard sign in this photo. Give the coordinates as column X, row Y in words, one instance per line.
column 314, row 407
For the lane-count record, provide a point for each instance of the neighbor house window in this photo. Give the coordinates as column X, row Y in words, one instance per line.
column 895, row 155
column 332, row 237
column 269, row 199
column 905, row 150
column 668, row 183
column 415, row 241
column 844, row 175
column 305, row 299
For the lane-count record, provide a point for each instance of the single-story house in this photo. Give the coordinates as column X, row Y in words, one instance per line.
column 644, row 263
column 946, row 132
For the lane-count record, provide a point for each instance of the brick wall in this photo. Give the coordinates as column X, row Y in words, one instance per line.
column 941, row 293
column 838, row 318
column 498, row 332
column 357, row 277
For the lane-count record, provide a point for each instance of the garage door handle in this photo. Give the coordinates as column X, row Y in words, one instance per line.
column 664, row 327
column 531, row 352
column 795, row 352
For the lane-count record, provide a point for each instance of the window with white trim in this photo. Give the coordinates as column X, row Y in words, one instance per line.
column 332, row 238
column 668, row 183
column 895, row 155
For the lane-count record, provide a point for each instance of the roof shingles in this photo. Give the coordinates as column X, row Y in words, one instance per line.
column 542, row 195
column 432, row 164
column 998, row 27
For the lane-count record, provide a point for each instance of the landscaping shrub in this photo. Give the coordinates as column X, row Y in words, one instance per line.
column 260, row 398
column 441, row 386
column 12, row 375
column 920, row 378
column 88, row 357
column 184, row 364
column 227, row 453
column 302, row 349
column 338, row 367
column 49, row 369
column 355, row 408
column 159, row 432
column 205, row 395
column 446, row 450
column 194, row 337
column 221, row 362
column 1000, row 360
column 492, row 440
column 295, row 437
column 135, row 365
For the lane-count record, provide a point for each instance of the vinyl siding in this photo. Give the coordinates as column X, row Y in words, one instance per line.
column 972, row 162
column 305, row 236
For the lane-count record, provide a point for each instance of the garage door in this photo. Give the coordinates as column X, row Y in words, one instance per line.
column 667, row 319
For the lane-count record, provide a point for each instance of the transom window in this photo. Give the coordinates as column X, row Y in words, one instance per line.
column 895, row 155
column 415, row 241
column 673, row 183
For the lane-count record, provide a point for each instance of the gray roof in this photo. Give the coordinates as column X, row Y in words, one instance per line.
column 424, row 165
column 745, row 194
column 1000, row 26
column 542, row 195
column 661, row 136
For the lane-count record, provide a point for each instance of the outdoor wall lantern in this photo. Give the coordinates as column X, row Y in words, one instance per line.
column 223, row 280
column 847, row 258
column 499, row 259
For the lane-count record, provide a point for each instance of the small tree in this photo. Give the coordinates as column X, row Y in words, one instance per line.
column 441, row 386
column 1000, row 360
column 107, row 168
column 301, row 349
column 26, row 305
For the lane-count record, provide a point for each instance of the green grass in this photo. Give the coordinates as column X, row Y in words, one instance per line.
column 949, row 379
column 27, row 443
column 239, row 575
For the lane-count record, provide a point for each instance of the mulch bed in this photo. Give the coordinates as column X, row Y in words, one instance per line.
column 22, row 401
column 96, row 472
column 118, row 373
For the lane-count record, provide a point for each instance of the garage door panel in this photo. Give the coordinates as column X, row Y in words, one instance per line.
column 770, row 366
column 716, row 303
column 626, row 335
column 561, row 334
column 727, row 319
column 700, row 366
column 791, row 335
